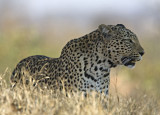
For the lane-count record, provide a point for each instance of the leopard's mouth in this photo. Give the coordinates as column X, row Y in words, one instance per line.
column 129, row 62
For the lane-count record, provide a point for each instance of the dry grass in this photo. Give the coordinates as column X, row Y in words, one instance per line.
column 30, row 101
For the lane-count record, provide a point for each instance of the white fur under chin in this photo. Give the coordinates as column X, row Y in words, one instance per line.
column 131, row 66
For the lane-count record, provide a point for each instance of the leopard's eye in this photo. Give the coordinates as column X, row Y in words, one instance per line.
column 128, row 40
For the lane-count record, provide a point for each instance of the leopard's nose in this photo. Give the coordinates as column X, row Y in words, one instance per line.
column 141, row 53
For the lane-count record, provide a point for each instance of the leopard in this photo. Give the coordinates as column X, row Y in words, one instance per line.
column 84, row 63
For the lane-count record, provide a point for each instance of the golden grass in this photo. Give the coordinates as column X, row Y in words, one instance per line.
column 37, row 102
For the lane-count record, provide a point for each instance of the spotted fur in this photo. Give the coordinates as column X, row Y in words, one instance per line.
column 84, row 63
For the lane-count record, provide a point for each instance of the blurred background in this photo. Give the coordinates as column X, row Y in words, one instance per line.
column 43, row 27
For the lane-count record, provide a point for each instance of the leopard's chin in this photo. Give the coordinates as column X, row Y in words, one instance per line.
column 130, row 63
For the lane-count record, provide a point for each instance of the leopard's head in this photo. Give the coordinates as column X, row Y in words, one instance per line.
column 121, row 44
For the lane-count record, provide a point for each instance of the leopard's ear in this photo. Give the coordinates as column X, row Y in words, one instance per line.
column 104, row 29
